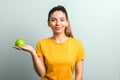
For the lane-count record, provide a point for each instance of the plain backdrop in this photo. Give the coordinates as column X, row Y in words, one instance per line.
column 95, row 22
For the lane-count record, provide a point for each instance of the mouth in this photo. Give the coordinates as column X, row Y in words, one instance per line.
column 57, row 28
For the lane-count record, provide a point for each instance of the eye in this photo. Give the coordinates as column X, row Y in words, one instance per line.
column 52, row 20
column 62, row 20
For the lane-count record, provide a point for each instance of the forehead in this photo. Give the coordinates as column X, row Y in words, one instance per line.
column 58, row 14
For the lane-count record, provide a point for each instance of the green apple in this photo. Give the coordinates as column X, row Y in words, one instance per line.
column 19, row 42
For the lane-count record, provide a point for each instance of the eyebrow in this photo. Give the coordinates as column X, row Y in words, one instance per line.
column 60, row 18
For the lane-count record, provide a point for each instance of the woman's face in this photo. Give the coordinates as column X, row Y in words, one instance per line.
column 58, row 22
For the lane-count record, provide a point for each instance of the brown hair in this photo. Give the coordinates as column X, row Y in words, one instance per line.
column 68, row 31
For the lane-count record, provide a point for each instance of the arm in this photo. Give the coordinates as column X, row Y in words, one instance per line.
column 38, row 62
column 79, row 70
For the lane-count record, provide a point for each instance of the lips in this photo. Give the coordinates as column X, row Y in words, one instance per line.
column 57, row 28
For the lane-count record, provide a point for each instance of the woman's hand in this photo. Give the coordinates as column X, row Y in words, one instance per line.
column 38, row 62
column 27, row 48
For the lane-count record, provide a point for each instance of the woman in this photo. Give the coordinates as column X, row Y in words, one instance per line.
column 56, row 57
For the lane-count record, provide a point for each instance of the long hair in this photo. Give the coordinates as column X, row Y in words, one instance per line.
column 68, row 31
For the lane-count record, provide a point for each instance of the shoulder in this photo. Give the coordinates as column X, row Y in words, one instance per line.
column 44, row 40
column 76, row 40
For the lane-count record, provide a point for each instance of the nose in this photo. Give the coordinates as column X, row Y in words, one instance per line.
column 57, row 23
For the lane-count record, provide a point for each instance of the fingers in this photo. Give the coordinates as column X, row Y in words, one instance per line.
column 24, row 48
column 27, row 48
column 17, row 47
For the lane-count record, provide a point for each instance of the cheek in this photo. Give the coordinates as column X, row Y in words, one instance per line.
column 51, row 24
column 65, row 24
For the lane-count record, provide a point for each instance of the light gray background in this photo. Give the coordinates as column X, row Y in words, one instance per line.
column 95, row 22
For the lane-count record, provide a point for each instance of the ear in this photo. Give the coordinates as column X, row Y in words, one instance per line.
column 48, row 23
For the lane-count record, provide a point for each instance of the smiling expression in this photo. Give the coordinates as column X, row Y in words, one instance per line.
column 58, row 22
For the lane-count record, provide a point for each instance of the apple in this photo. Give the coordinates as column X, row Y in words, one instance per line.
column 19, row 42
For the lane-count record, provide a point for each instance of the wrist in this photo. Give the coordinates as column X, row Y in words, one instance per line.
column 33, row 52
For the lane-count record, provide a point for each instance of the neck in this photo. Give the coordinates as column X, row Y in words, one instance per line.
column 59, row 38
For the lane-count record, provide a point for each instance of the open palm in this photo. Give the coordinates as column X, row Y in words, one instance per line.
column 27, row 48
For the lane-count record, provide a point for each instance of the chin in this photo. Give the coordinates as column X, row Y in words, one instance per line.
column 58, row 32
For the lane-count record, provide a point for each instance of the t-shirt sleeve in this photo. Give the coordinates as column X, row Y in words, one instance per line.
column 80, row 53
column 39, row 49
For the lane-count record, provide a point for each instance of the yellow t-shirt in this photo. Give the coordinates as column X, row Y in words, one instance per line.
column 60, row 58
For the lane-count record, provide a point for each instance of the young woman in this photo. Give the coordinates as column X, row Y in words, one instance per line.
column 56, row 57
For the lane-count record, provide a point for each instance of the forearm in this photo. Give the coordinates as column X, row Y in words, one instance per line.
column 38, row 64
column 79, row 70
column 78, row 77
